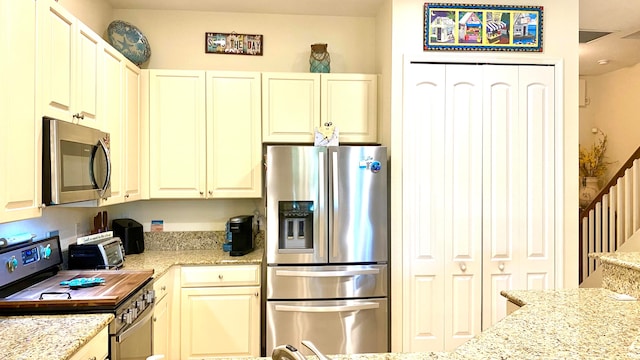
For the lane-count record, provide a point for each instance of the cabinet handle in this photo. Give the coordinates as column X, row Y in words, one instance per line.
column 257, row 294
column 201, row 192
column 210, row 192
column 220, row 276
column 463, row 267
column 501, row 267
column 78, row 116
column 93, row 358
column 163, row 287
column 126, row 196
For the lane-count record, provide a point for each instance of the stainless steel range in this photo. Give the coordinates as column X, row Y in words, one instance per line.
column 31, row 282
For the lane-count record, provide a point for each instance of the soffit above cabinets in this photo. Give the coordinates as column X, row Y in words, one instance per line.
column 364, row 8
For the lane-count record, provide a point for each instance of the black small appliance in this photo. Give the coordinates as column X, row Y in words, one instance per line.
column 242, row 235
column 131, row 234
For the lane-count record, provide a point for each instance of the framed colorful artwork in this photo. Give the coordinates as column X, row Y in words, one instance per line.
column 482, row 27
column 232, row 43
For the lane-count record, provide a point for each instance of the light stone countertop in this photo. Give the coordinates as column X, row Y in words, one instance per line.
column 552, row 324
column 630, row 260
column 561, row 324
column 160, row 261
column 50, row 337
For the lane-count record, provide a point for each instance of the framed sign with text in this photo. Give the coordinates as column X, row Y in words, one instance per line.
column 233, row 43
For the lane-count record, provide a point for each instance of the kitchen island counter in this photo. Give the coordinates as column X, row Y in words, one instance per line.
column 561, row 324
column 50, row 337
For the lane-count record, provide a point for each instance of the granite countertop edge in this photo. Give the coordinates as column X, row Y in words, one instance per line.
column 629, row 260
column 51, row 337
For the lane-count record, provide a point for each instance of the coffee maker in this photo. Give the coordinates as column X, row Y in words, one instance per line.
column 243, row 234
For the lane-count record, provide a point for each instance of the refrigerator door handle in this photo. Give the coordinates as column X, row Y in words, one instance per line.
column 318, row 244
column 316, row 274
column 334, row 203
column 328, row 309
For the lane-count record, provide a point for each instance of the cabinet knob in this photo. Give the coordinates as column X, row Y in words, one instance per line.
column 126, row 196
column 220, row 276
column 463, row 267
column 210, row 192
column 257, row 294
column 501, row 267
column 201, row 192
column 163, row 288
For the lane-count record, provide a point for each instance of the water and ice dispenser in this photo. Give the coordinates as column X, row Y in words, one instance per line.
column 296, row 225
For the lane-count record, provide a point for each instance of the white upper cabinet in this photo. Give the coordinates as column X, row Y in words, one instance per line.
column 350, row 102
column 290, row 106
column 132, row 137
column 204, row 134
column 70, row 56
column 234, row 146
column 295, row 104
column 177, row 134
column 20, row 160
column 120, row 108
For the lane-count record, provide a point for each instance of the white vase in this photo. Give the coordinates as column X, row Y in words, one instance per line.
column 588, row 190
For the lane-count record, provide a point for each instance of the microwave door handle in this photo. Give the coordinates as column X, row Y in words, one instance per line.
column 107, row 156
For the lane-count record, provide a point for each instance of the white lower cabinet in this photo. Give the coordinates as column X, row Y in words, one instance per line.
column 220, row 311
column 164, row 337
column 96, row 349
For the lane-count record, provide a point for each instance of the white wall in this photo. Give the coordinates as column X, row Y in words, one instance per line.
column 96, row 14
column 560, row 42
column 613, row 108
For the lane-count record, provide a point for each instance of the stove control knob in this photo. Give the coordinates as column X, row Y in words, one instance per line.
column 150, row 296
column 12, row 264
column 45, row 251
column 126, row 317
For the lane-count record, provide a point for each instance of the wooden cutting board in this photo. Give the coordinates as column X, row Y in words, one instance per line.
column 118, row 285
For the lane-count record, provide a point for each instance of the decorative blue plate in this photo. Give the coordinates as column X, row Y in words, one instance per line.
column 129, row 40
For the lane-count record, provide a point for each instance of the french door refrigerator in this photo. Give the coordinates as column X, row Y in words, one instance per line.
column 327, row 248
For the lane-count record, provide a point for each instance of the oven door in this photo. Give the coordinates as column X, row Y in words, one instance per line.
column 134, row 342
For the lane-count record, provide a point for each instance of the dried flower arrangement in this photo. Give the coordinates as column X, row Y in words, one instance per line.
column 592, row 161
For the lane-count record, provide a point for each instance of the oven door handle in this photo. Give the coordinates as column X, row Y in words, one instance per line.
column 138, row 322
column 327, row 309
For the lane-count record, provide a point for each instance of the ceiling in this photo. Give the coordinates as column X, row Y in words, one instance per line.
column 622, row 19
column 619, row 17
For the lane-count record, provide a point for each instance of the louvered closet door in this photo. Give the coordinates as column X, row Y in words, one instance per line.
column 518, row 186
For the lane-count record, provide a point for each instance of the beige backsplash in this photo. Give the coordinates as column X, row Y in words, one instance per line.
column 189, row 240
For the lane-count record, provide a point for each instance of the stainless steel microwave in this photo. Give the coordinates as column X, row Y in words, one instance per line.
column 75, row 163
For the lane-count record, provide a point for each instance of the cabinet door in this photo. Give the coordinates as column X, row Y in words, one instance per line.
column 234, row 150
column 161, row 326
column 177, row 134
column 58, row 44
column 350, row 102
column 21, row 126
column 85, row 92
column 290, row 107
column 112, row 110
column 518, row 186
column 220, row 321
column 132, row 138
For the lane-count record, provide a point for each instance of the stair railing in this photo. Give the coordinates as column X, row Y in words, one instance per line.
column 612, row 216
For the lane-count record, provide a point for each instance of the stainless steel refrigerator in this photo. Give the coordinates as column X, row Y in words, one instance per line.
column 327, row 248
